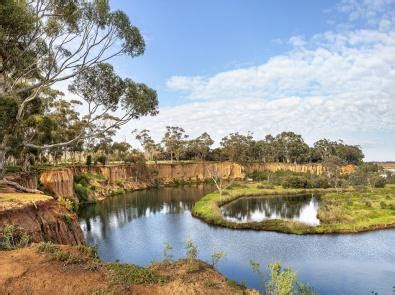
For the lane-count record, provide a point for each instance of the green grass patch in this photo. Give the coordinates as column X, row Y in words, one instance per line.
column 347, row 212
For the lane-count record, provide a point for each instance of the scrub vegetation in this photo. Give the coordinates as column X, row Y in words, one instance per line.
column 352, row 210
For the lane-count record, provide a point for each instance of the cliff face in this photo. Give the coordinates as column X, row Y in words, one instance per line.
column 59, row 182
column 45, row 221
column 196, row 171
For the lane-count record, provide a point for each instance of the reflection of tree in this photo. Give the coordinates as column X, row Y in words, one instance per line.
column 274, row 207
column 119, row 210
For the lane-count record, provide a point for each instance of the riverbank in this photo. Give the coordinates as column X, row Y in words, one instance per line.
column 346, row 212
column 41, row 217
column 44, row 267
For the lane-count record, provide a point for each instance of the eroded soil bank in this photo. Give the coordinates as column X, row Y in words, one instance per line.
column 42, row 220
column 72, row 270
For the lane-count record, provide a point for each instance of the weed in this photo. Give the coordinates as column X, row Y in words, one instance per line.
column 166, row 252
column 13, row 237
column 216, row 256
column 191, row 250
column 125, row 275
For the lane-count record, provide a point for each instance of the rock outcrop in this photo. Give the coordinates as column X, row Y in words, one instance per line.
column 58, row 182
column 45, row 221
column 168, row 173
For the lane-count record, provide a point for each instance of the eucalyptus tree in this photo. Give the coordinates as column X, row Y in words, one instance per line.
column 236, row 147
column 292, row 147
column 44, row 42
column 200, row 146
column 151, row 148
column 174, row 141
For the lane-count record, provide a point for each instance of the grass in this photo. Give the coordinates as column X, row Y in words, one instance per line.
column 346, row 212
column 9, row 200
column 124, row 275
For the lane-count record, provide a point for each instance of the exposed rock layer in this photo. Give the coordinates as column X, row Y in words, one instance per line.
column 59, row 182
column 45, row 221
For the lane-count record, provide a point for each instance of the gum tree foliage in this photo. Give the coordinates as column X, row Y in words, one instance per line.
column 236, row 147
column 199, row 147
column 151, row 149
column 174, row 141
column 44, row 42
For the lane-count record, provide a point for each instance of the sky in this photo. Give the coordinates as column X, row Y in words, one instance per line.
column 323, row 69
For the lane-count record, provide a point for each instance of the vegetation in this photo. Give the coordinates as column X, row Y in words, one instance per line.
column 345, row 212
column 281, row 281
column 38, row 49
column 13, row 237
column 124, row 275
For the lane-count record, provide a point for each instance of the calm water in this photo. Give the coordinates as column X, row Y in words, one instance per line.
column 133, row 228
column 301, row 208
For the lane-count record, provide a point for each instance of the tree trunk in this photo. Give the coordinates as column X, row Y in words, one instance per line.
column 2, row 78
column 2, row 163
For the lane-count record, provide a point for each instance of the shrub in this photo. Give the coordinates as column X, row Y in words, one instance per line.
column 69, row 204
column 216, row 256
column 379, row 182
column 383, row 205
column 82, row 192
column 102, row 159
column 67, row 219
column 128, row 274
column 281, row 281
column 166, row 252
column 89, row 160
column 191, row 250
column 295, row 182
column 13, row 237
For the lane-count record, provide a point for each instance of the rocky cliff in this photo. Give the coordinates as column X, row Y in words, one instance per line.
column 168, row 173
column 59, row 182
column 44, row 221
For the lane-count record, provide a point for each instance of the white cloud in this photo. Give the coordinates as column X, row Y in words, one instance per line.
column 335, row 84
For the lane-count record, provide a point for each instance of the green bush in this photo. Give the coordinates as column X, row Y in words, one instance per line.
column 89, row 160
column 13, row 237
column 82, row 192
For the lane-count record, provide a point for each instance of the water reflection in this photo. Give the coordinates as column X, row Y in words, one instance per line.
column 116, row 211
column 133, row 228
column 301, row 208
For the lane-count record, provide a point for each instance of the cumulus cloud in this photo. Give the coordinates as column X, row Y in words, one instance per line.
column 335, row 84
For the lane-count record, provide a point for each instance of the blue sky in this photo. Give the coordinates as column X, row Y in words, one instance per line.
column 319, row 68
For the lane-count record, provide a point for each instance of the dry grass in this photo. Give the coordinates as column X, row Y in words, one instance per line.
column 13, row 200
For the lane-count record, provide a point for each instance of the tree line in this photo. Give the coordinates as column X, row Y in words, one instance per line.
column 285, row 147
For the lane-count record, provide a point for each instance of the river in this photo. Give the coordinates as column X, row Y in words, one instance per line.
column 134, row 227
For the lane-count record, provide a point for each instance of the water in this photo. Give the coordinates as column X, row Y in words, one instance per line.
column 133, row 228
column 302, row 208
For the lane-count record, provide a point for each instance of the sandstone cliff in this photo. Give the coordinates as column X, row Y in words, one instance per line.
column 44, row 221
column 59, row 182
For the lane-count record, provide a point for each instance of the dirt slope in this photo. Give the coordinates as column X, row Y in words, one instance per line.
column 26, row 271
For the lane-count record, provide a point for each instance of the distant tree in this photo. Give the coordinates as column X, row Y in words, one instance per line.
column 151, row 149
column 174, row 141
column 332, row 165
column 120, row 150
column 200, row 146
column 292, row 147
column 237, row 147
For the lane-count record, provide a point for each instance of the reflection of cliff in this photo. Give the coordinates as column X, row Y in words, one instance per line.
column 117, row 211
